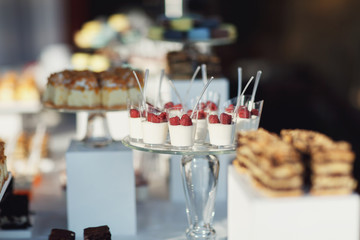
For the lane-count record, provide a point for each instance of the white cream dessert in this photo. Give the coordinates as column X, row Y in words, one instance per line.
column 247, row 120
column 201, row 130
column 254, row 122
column 221, row 131
column 155, row 128
column 84, row 91
column 201, row 125
column 182, row 131
column 135, row 124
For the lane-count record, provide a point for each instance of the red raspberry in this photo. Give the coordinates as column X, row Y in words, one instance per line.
column 255, row 112
column 189, row 112
column 134, row 113
column 201, row 114
column 163, row 117
column 211, row 105
column 185, row 120
column 213, row 119
column 244, row 113
column 202, row 105
column 168, row 105
column 178, row 106
column 153, row 118
column 174, row 121
column 230, row 108
column 225, row 118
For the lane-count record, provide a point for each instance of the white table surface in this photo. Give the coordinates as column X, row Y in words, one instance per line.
column 156, row 218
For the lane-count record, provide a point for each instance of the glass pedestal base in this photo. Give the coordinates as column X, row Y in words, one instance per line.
column 200, row 176
column 97, row 131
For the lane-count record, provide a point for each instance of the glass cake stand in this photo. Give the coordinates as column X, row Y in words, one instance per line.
column 200, row 171
column 94, row 137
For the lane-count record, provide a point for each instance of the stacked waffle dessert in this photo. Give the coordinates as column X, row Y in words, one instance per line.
column 89, row 90
column 295, row 162
column 3, row 167
column 330, row 162
column 274, row 165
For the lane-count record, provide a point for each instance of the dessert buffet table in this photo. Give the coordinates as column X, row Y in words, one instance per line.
column 157, row 217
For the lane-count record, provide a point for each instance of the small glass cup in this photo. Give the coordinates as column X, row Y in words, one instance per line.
column 136, row 117
column 249, row 113
column 154, row 126
column 212, row 100
column 182, row 128
column 222, row 128
column 199, row 118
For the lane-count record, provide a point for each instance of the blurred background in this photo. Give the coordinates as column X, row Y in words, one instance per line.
column 309, row 51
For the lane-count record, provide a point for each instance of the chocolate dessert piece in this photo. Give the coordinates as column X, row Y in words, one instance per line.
column 61, row 234
column 14, row 212
column 97, row 233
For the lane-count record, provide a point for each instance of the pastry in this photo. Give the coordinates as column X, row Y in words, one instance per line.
column 61, row 234
column 274, row 166
column 3, row 165
column 330, row 162
column 97, row 233
column 84, row 90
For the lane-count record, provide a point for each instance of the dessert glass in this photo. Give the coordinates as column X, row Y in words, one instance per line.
column 136, row 117
column 249, row 113
column 182, row 128
column 212, row 100
column 222, row 128
column 155, row 126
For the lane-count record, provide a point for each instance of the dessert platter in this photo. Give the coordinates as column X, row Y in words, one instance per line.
column 193, row 28
column 95, row 93
column 199, row 133
column 295, row 163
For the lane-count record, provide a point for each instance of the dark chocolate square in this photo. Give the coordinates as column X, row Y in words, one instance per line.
column 97, row 233
column 61, row 234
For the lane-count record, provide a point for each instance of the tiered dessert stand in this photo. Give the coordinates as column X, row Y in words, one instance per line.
column 97, row 129
column 200, row 170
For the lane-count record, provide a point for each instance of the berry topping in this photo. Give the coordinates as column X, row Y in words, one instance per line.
column 213, row 119
column 211, row 105
column 230, row 108
column 174, row 121
column 202, row 105
column 225, row 118
column 185, row 120
column 168, row 105
column 134, row 113
column 178, row 106
column 201, row 114
column 153, row 118
column 163, row 117
column 255, row 112
column 244, row 113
